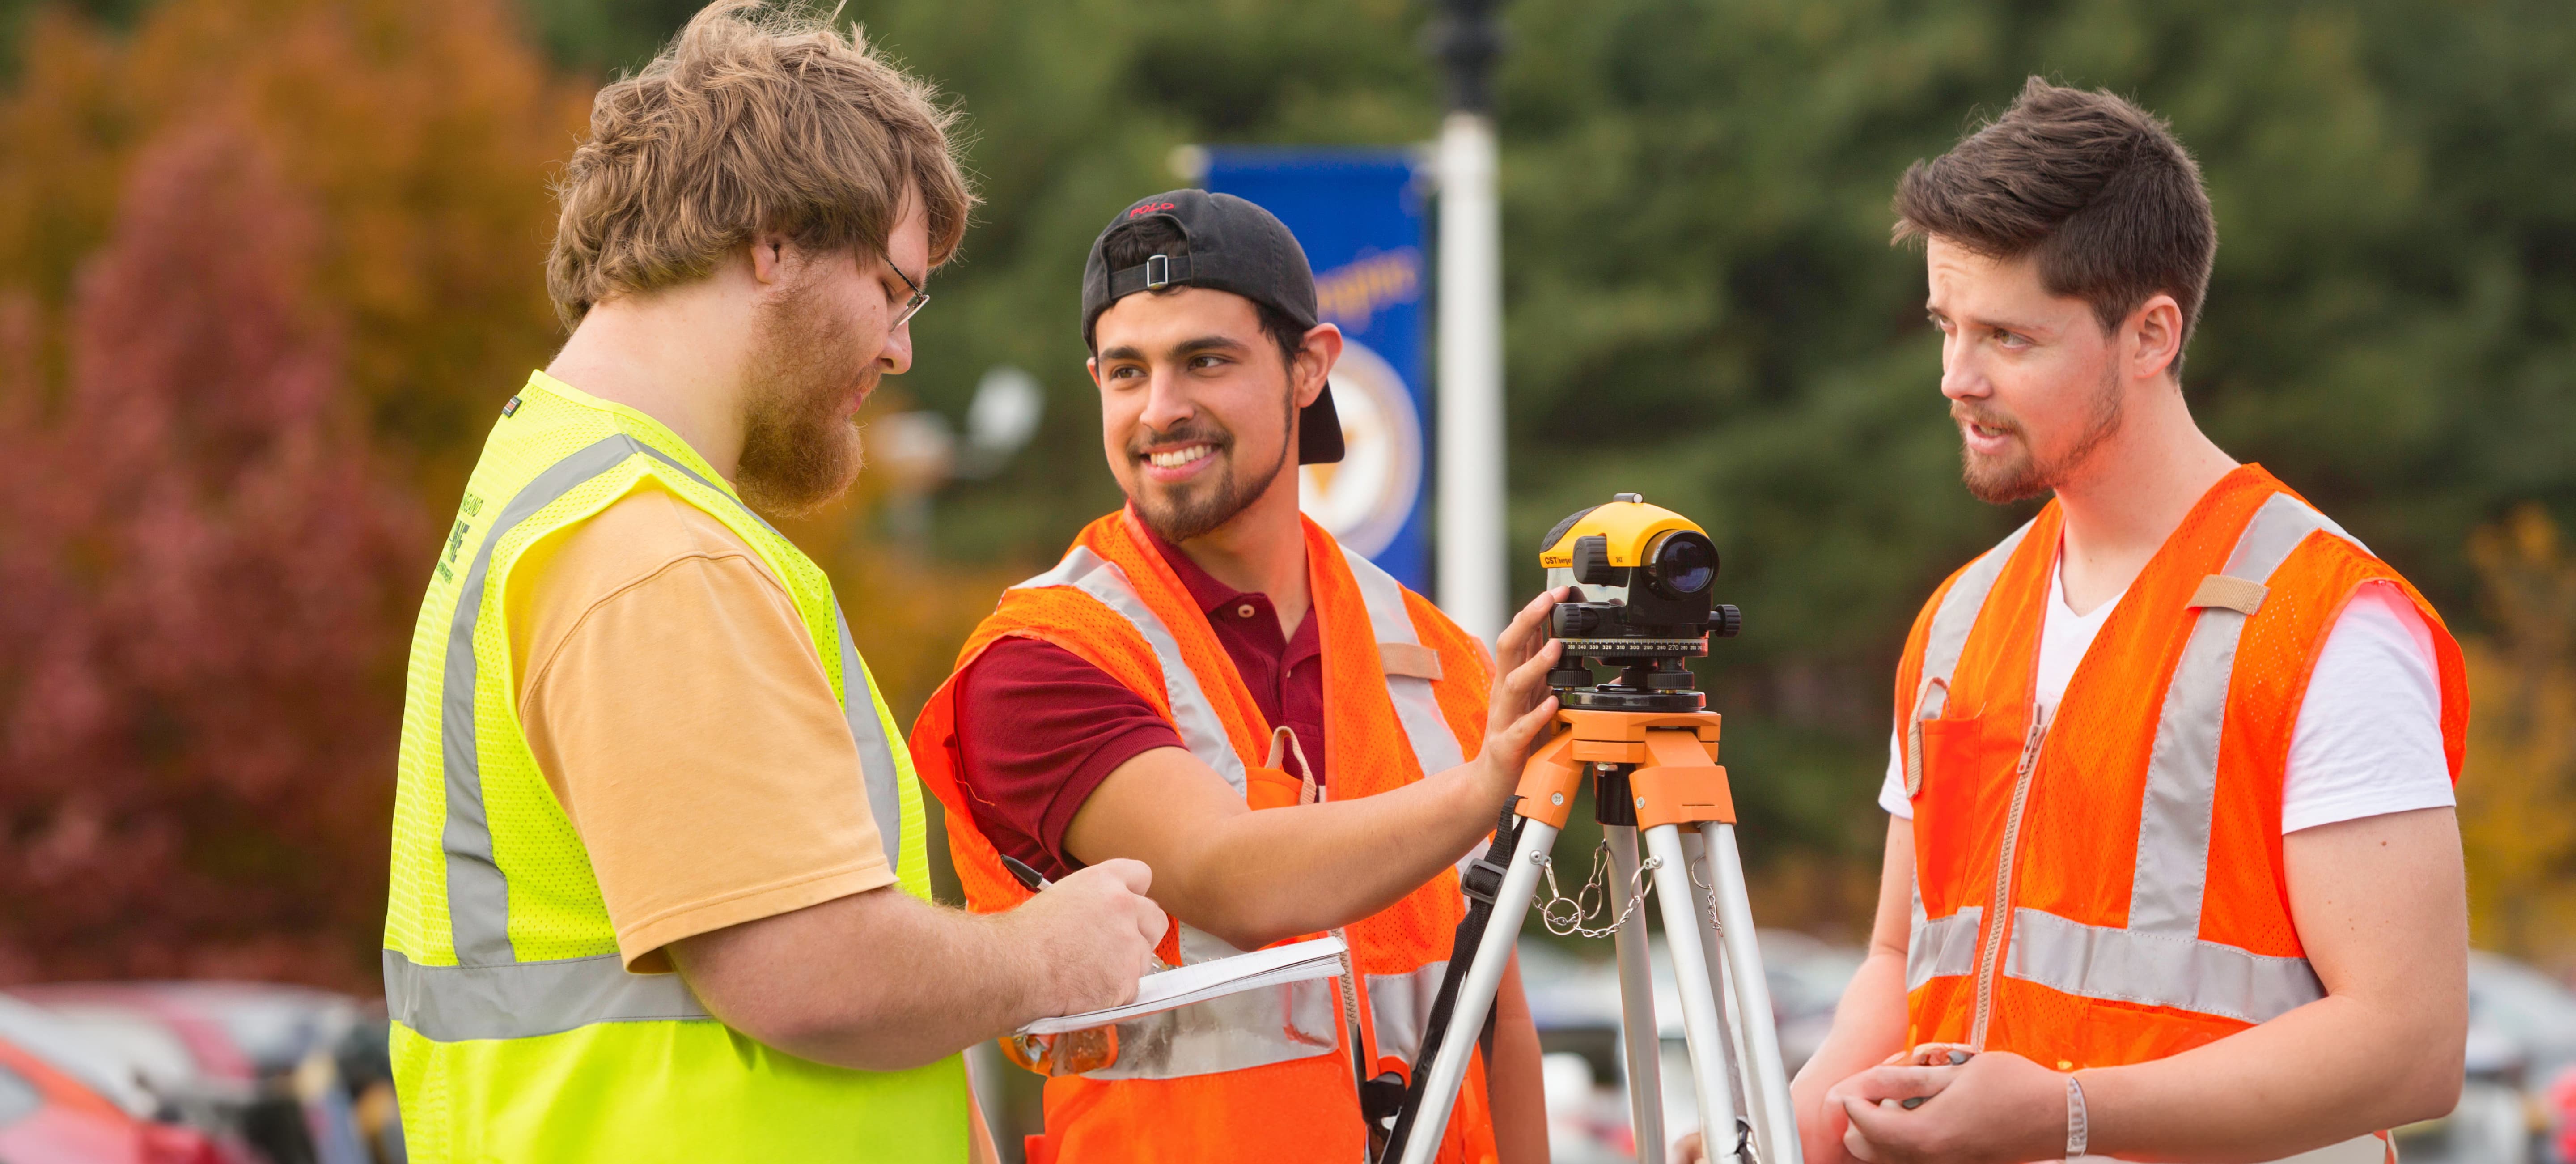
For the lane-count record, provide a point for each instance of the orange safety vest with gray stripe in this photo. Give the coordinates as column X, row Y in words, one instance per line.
column 518, row 1034
column 2105, row 886
column 1266, row 1075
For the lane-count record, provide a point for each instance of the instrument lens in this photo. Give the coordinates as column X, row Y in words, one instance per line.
column 1685, row 565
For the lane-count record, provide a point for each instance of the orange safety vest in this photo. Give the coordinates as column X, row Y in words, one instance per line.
column 2106, row 887
column 1264, row 1075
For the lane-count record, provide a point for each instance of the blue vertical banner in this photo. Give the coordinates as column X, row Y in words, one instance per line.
column 1358, row 213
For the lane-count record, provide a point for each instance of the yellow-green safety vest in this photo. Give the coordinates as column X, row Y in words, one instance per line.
column 518, row 1034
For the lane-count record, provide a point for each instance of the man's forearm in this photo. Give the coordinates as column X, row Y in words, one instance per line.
column 1252, row 878
column 1869, row 1024
column 879, row 980
column 1869, row 1020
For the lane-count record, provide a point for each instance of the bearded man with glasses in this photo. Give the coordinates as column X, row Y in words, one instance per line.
column 659, row 885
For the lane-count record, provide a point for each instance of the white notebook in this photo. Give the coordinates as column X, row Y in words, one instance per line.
column 1179, row 987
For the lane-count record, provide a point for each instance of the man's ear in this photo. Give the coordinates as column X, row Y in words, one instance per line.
column 1092, row 365
column 2154, row 332
column 1315, row 359
column 770, row 253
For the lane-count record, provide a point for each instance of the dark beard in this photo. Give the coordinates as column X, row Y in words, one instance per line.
column 798, row 451
column 2023, row 477
column 1196, row 513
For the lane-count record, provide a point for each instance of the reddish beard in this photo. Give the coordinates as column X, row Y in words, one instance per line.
column 799, row 448
column 2018, row 473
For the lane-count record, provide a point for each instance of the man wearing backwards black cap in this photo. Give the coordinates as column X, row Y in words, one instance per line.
column 1205, row 652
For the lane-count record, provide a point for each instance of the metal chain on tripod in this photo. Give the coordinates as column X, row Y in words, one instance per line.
column 1588, row 901
column 1707, row 897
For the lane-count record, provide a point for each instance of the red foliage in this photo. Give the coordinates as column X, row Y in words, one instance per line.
column 206, row 575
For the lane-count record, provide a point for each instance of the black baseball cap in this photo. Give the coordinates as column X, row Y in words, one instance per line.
column 1228, row 245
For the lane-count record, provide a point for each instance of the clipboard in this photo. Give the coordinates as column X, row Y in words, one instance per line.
column 1182, row 986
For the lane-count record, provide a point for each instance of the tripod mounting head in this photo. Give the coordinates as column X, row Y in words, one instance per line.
column 1647, row 578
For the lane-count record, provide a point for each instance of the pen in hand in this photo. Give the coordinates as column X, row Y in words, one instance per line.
column 1036, row 882
column 1030, row 879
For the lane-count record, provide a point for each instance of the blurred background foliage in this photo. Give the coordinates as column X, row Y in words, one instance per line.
column 296, row 245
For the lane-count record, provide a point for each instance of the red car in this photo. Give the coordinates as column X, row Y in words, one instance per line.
column 61, row 1104
column 272, row 1071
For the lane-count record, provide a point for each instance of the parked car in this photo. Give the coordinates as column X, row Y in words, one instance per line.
column 65, row 1100
column 283, row 1069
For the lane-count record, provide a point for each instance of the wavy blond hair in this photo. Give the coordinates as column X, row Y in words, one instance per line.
column 755, row 118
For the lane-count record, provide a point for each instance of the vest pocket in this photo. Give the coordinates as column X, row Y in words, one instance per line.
column 1270, row 788
column 1948, row 750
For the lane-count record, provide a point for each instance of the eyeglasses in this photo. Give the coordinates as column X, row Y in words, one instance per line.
column 911, row 306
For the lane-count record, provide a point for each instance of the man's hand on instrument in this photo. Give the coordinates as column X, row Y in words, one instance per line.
column 1997, row 1108
column 1522, row 705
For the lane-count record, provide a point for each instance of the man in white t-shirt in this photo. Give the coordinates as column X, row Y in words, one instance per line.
column 2171, row 871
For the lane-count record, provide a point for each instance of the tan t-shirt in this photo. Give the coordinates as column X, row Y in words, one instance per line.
column 680, row 713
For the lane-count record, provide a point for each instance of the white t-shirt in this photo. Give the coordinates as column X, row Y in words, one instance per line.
column 2369, row 736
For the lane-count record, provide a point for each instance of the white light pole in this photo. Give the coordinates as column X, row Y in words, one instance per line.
column 1474, row 572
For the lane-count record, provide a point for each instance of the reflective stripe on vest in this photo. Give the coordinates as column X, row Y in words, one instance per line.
column 490, row 994
column 1247, row 1029
column 1416, row 708
column 1941, row 947
column 1192, row 715
column 1400, row 1006
column 2158, row 958
column 1947, row 639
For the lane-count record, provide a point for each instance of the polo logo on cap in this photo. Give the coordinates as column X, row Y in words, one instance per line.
column 1151, row 207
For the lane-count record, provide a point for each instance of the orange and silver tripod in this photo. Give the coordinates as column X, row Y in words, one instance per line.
column 1656, row 777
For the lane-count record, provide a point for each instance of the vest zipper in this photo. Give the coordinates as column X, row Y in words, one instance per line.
column 2000, row 917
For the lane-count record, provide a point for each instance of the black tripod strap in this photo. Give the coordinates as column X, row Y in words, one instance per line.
column 1483, row 880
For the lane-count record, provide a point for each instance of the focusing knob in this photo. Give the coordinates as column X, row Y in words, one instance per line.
column 1592, row 562
column 1573, row 621
column 1725, row 621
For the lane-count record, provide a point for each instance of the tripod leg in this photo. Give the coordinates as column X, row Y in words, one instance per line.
column 1722, row 982
column 1766, row 1079
column 1484, row 975
column 1720, row 974
column 1700, row 1022
column 1638, row 1033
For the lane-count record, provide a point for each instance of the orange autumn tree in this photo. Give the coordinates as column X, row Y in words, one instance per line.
column 2518, row 786
column 201, row 560
column 422, row 134
column 266, row 268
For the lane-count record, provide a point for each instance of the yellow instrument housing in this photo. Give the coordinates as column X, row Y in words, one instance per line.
column 1628, row 527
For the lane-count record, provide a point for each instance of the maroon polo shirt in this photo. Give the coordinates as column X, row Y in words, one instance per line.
column 1038, row 729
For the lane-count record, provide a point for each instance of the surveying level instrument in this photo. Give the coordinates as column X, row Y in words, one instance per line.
column 1649, row 744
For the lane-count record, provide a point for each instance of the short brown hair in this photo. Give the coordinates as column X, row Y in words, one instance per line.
column 2095, row 188
column 753, row 119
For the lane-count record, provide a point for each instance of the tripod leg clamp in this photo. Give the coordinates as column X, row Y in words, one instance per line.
column 1679, row 783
